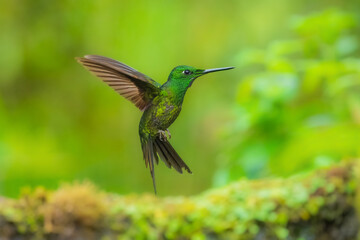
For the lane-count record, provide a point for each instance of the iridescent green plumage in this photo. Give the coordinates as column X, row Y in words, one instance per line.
column 161, row 104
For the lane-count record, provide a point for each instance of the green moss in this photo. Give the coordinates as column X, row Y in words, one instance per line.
column 293, row 208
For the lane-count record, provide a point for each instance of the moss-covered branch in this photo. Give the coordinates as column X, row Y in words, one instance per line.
column 314, row 206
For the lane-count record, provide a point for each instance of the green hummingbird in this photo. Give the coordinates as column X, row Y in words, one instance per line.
column 161, row 104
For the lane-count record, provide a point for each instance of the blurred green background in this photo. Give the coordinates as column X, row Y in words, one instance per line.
column 291, row 105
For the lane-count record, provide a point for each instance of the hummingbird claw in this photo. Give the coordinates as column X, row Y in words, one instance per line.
column 169, row 134
column 162, row 135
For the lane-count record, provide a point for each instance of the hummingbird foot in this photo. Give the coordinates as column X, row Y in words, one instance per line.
column 169, row 134
column 162, row 135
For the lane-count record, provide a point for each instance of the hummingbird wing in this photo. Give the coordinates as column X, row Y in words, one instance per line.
column 128, row 82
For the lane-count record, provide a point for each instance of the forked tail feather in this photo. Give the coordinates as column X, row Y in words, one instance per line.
column 153, row 149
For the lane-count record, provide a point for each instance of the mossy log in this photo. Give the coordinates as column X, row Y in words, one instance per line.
column 320, row 206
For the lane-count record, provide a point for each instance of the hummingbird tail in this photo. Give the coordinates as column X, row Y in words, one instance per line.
column 147, row 145
column 169, row 156
column 153, row 149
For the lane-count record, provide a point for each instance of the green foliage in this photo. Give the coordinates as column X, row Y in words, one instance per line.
column 58, row 123
column 298, row 101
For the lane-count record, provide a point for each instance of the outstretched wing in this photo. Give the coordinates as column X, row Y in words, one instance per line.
column 129, row 83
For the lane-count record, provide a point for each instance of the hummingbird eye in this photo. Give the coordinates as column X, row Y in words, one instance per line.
column 187, row 72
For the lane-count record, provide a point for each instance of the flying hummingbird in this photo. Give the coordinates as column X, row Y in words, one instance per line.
column 161, row 104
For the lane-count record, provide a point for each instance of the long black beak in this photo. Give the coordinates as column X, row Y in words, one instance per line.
column 216, row 69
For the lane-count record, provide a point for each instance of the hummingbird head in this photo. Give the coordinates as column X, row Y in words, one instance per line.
column 185, row 75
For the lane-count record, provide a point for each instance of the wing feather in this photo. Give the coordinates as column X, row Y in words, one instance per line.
column 128, row 82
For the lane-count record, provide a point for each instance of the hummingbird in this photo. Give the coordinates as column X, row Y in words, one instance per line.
column 160, row 104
